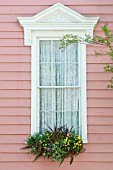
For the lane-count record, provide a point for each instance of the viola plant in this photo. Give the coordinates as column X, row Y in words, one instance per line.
column 58, row 144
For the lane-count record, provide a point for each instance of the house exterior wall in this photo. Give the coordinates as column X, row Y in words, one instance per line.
column 15, row 76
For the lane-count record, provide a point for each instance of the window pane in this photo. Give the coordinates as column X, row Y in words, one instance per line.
column 52, row 74
column 72, row 78
column 45, row 51
column 57, row 54
column 59, row 107
column 58, row 68
column 51, row 119
column 72, row 53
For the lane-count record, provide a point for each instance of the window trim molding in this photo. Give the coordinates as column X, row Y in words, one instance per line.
column 56, row 17
column 44, row 25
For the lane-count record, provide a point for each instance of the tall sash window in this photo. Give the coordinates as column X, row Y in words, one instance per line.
column 58, row 85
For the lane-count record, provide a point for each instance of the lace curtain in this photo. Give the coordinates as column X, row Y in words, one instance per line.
column 59, row 85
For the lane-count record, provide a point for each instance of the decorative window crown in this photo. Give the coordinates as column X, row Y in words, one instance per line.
column 56, row 17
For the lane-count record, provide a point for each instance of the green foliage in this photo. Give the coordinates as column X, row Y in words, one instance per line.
column 58, row 144
column 106, row 41
column 70, row 38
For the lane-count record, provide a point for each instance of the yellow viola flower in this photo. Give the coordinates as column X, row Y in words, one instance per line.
column 66, row 138
column 68, row 134
column 79, row 137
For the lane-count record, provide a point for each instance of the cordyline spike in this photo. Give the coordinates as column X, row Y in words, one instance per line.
column 71, row 128
column 49, row 126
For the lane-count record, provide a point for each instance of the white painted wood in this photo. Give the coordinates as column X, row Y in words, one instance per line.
column 58, row 87
column 33, row 85
column 83, row 104
column 53, row 23
column 57, row 17
column 82, row 75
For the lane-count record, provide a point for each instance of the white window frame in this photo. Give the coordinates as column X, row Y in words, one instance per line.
column 55, row 22
column 35, row 117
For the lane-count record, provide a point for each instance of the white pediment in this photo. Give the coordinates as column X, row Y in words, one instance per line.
column 58, row 14
column 56, row 17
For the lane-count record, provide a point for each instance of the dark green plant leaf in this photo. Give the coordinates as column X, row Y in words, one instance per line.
column 82, row 150
column 26, row 147
column 71, row 161
column 62, row 160
column 37, row 157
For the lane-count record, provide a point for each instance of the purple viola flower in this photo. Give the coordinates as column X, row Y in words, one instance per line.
column 48, row 149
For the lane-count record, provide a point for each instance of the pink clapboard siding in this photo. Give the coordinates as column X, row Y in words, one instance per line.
column 15, row 88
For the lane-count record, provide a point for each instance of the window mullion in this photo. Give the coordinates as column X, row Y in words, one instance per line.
column 58, row 87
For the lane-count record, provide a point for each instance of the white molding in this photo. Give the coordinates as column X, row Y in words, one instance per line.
column 53, row 23
column 34, row 104
column 33, row 85
column 56, row 17
column 83, row 97
column 27, row 36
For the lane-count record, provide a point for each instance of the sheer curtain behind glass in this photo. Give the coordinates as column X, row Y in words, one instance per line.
column 58, row 85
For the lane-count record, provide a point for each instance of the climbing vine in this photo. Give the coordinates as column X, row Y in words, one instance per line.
column 106, row 40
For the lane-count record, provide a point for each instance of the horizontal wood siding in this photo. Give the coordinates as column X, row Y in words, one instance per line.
column 15, row 89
